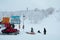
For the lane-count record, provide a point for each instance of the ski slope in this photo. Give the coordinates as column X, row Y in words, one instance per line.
column 51, row 23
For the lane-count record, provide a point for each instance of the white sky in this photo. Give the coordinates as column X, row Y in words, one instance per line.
column 11, row 5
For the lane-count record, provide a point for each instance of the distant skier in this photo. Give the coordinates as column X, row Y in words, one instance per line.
column 39, row 31
column 32, row 29
column 44, row 31
column 13, row 26
column 23, row 27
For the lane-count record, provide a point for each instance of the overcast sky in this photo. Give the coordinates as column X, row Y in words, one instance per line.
column 12, row 5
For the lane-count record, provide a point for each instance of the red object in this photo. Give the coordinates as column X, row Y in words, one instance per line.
column 30, row 33
column 9, row 29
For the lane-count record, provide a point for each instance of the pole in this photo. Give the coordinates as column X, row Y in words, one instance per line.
column 23, row 21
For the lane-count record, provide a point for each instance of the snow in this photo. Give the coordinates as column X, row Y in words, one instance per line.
column 51, row 24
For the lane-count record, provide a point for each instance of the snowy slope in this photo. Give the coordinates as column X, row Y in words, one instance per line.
column 51, row 23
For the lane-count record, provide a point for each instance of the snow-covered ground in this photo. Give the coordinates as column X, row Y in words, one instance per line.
column 51, row 23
